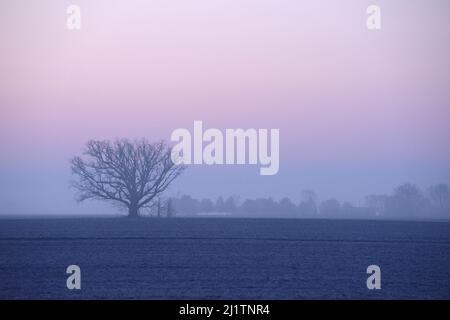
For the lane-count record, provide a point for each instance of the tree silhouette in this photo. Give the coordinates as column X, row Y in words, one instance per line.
column 406, row 201
column 439, row 194
column 130, row 174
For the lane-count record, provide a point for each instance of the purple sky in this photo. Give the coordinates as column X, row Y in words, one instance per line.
column 359, row 111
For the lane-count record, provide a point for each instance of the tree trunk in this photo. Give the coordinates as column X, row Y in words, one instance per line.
column 159, row 208
column 133, row 212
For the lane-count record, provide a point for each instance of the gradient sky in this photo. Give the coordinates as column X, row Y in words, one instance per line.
column 359, row 111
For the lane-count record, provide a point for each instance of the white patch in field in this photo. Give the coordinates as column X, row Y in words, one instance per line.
column 74, row 280
column 374, row 280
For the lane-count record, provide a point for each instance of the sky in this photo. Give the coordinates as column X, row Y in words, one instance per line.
column 359, row 111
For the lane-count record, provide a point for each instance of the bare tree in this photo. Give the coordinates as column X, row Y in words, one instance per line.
column 407, row 201
column 130, row 174
column 439, row 194
column 309, row 203
column 170, row 210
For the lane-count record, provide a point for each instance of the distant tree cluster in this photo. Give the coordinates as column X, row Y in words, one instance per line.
column 409, row 201
column 188, row 205
column 268, row 207
column 406, row 201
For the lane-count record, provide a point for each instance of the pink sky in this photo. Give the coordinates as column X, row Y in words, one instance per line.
column 341, row 95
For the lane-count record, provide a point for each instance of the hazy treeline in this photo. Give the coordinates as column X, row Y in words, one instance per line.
column 409, row 201
column 308, row 207
column 406, row 201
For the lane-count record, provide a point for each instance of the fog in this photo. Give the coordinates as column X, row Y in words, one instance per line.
column 48, row 193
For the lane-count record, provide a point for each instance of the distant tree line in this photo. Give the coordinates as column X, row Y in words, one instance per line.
column 406, row 201
column 308, row 207
column 409, row 201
